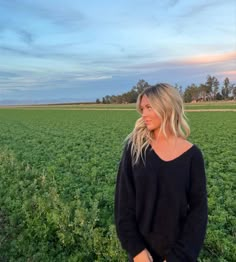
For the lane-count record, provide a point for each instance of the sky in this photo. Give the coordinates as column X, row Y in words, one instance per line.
column 78, row 51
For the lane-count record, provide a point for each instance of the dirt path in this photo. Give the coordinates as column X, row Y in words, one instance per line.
column 211, row 110
column 111, row 109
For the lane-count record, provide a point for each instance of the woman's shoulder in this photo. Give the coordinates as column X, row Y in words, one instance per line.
column 126, row 148
column 182, row 146
column 127, row 144
column 187, row 146
column 195, row 151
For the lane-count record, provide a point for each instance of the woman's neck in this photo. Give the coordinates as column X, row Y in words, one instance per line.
column 160, row 136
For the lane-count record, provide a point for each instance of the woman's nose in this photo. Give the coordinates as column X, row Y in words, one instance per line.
column 144, row 113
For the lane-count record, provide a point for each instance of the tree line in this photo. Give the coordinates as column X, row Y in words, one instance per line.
column 211, row 90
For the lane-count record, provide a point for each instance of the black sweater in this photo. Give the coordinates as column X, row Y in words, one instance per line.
column 162, row 205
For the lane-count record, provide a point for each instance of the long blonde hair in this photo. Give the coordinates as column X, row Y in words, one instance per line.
column 167, row 103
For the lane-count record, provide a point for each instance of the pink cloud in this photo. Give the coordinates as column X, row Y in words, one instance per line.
column 194, row 61
column 209, row 59
column 231, row 74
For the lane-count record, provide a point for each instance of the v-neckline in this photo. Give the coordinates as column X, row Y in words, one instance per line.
column 174, row 159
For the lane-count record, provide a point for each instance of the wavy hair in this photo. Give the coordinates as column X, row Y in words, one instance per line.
column 167, row 103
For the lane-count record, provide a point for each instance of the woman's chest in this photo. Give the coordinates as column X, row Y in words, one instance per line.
column 162, row 176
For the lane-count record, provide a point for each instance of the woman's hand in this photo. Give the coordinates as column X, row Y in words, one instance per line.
column 143, row 256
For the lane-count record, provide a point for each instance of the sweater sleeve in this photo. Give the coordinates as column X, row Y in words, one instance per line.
column 125, row 219
column 190, row 242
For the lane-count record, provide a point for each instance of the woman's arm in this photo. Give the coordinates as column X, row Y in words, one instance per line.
column 189, row 244
column 125, row 217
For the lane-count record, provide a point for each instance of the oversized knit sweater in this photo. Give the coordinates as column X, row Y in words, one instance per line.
column 162, row 205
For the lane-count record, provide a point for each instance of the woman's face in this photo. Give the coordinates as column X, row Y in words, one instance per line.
column 152, row 121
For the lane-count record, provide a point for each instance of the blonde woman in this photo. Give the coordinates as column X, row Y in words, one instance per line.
column 161, row 199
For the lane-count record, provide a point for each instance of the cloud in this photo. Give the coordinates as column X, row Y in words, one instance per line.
column 53, row 11
column 4, row 74
column 25, row 36
column 92, row 78
column 200, row 7
column 34, row 20
column 28, row 80
column 172, row 3
column 49, row 52
column 14, row 51
column 71, row 55
column 202, row 60
column 210, row 59
column 231, row 74
column 13, row 28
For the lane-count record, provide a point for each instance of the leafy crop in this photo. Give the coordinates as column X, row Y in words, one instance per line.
column 58, row 172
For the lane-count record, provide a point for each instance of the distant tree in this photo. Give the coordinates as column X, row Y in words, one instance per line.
column 113, row 99
column 140, row 86
column 108, row 99
column 234, row 91
column 231, row 89
column 207, row 91
column 98, row 101
column 218, row 96
column 131, row 97
column 216, row 85
column 191, row 93
column 119, row 99
column 203, row 91
column 180, row 89
column 187, row 95
column 212, row 87
column 226, row 88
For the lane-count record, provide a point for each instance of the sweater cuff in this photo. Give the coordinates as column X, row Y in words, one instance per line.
column 136, row 249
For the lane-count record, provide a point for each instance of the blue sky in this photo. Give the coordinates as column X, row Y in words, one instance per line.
column 59, row 51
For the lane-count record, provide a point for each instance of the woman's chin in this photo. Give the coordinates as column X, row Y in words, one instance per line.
column 150, row 128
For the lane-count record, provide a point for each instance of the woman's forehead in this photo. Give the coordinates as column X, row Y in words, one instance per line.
column 144, row 101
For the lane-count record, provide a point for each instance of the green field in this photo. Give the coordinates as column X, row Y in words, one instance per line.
column 58, row 172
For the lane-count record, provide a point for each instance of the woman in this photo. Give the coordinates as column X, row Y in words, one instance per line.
column 161, row 198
